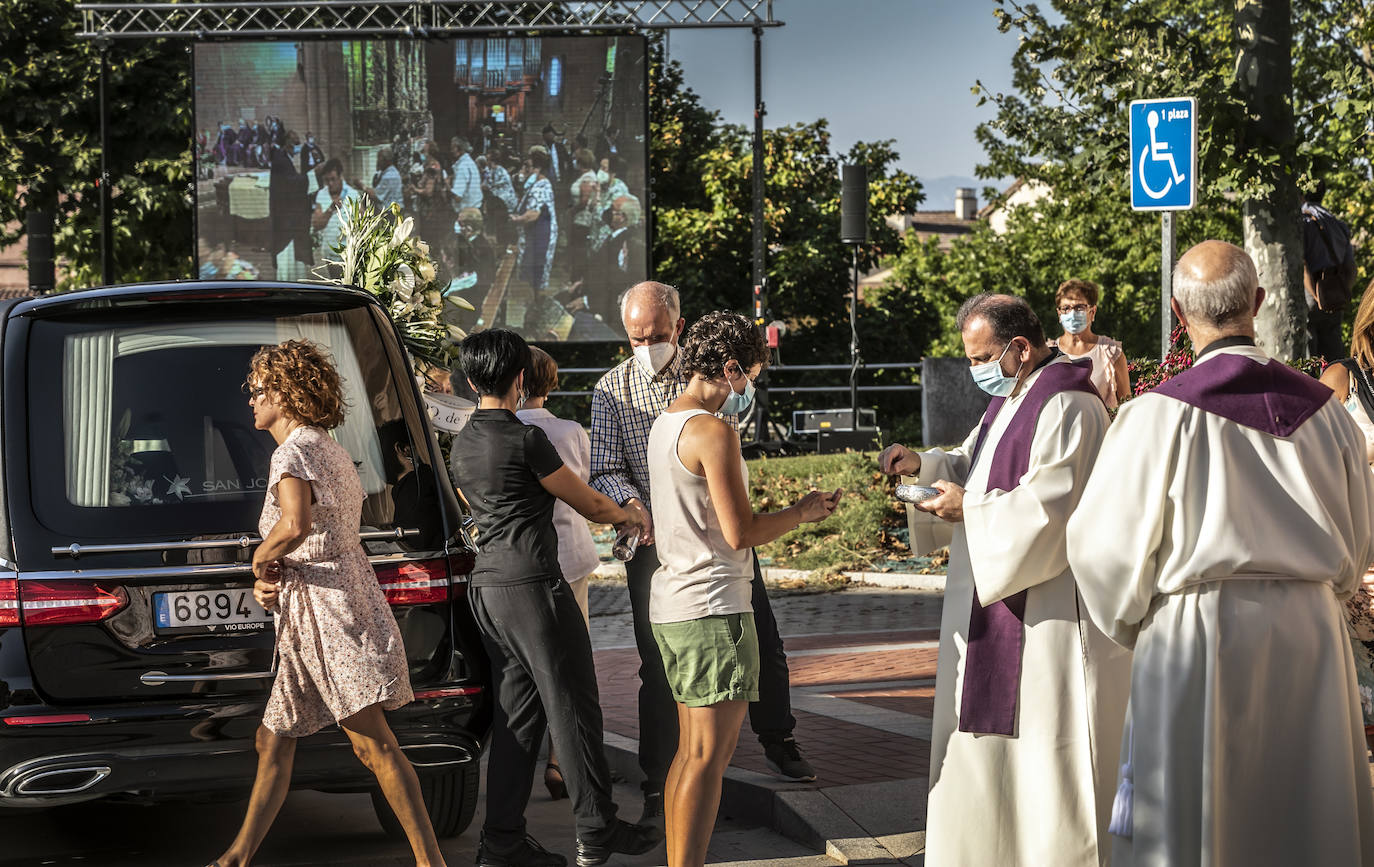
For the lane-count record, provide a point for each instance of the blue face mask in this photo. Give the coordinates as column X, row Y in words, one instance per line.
column 738, row 403
column 990, row 378
column 1074, row 321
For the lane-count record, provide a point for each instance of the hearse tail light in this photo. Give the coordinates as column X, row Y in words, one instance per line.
column 418, row 583
column 447, row 692
column 9, row 603
column 47, row 719
column 51, row 603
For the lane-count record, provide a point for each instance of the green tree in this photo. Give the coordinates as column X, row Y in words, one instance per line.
column 1065, row 124
column 1059, row 238
column 49, row 143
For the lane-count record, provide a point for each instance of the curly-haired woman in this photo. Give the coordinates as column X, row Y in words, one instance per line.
column 699, row 600
column 339, row 656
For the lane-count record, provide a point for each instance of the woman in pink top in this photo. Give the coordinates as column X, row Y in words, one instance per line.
column 1076, row 304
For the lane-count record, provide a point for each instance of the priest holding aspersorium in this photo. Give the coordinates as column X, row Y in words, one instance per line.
column 1030, row 696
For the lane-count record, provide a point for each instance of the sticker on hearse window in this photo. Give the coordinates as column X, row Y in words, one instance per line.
column 178, row 487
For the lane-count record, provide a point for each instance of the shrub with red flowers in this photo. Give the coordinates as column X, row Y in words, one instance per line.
column 1149, row 373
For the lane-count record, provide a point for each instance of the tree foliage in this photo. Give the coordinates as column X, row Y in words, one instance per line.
column 49, row 143
column 1065, row 124
column 702, row 173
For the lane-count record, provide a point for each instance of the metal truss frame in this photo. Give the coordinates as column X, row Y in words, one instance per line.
column 214, row 19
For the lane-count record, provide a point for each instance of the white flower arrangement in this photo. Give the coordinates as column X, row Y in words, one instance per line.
column 379, row 253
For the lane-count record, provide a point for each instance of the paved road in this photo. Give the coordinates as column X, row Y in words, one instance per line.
column 314, row 830
column 326, row 829
column 857, row 608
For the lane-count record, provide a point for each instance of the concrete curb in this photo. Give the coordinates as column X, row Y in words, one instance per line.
column 799, row 811
column 898, row 580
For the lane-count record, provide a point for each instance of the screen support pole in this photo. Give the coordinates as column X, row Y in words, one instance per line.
column 106, row 222
column 760, row 300
column 1168, row 252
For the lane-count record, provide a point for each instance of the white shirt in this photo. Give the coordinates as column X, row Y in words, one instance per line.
column 576, row 550
column 467, row 183
column 389, row 187
column 330, row 234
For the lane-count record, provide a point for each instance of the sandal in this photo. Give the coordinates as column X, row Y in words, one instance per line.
column 553, row 781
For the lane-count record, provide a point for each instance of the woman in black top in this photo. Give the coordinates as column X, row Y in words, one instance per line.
column 532, row 629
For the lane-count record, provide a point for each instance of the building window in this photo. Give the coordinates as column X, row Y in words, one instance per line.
column 555, row 87
column 515, row 59
column 460, row 61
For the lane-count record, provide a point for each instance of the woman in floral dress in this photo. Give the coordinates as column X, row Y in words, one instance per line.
column 339, row 656
column 538, row 224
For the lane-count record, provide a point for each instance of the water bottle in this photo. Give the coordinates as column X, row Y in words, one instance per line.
column 626, row 543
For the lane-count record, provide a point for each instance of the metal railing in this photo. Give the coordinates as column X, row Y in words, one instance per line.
column 778, row 369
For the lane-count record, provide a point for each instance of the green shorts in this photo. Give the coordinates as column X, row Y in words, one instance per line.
column 711, row 659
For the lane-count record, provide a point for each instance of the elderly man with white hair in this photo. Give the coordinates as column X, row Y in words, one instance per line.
column 1228, row 514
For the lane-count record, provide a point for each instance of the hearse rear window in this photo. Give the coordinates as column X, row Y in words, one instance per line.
column 147, row 429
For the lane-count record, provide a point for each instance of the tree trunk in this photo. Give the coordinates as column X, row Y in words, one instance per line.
column 1264, row 67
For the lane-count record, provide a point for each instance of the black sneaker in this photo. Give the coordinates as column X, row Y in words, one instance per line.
column 787, row 762
column 653, row 808
column 623, row 838
column 526, row 853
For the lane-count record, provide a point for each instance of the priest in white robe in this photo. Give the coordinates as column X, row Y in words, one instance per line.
column 1030, row 697
column 1228, row 515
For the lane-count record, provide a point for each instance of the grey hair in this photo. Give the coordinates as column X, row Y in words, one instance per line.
column 1220, row 300
column 1008, row 316
column 663, row 295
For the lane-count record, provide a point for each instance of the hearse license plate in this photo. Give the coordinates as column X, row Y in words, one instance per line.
column 230, row 610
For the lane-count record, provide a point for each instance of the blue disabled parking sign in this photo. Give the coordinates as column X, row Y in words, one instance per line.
column 1164, row 154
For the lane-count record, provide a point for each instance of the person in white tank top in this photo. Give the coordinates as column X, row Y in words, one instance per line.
column 1076, row 305
column 699, row 599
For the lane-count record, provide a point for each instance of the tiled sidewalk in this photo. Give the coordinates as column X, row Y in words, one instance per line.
column 862, row 693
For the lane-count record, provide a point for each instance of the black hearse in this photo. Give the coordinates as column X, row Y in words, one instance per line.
column 134, row 663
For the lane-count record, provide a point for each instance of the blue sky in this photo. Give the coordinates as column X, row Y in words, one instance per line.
column 876, row 69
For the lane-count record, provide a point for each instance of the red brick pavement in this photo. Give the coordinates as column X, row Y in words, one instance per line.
column 842, row 752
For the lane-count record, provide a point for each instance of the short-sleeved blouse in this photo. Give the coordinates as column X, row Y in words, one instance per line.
column 1104, row 354
column 339, row 650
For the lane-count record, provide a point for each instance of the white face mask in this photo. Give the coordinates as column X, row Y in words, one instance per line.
column 655, row 356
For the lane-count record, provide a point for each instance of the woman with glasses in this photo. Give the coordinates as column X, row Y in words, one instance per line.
column 700, row 599
column 1076, row 304
column 339, row 657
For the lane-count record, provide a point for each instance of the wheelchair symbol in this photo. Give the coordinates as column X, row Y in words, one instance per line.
column 1158, row 152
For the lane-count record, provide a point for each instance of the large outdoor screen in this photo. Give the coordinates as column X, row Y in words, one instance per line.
column 522, row 161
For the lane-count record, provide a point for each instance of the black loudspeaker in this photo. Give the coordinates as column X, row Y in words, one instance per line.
column 42, row 272
column 854, row 204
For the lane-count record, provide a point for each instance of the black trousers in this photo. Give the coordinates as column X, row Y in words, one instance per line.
column 770, row 717
column 1324, row 333
column 542, row 672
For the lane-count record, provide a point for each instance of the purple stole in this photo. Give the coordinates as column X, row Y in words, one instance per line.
column 1270, row 397
column 996, row 632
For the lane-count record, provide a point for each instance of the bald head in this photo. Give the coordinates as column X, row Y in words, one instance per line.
column 650, row 298
column 651, row 313
column 1215, row 283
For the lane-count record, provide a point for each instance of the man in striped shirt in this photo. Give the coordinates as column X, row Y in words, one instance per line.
column 625, row 403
